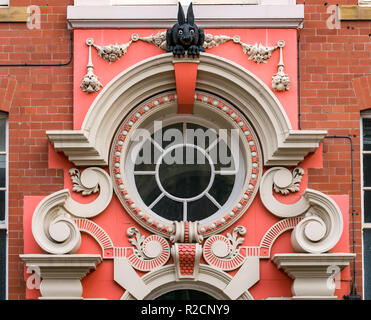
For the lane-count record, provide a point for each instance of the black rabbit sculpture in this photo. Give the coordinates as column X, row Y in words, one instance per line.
column 185, row 35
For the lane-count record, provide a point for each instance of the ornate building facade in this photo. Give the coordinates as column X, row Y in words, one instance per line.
column 217, row 152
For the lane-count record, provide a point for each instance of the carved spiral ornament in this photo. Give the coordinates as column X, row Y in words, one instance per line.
column 322, row 226
column 149, row 253
column 322, row 221
column 222, row 252
column 53, row 228
column 53, row 225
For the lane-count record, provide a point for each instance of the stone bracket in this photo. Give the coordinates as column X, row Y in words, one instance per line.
column 61, row 274
column 313, row 274
column 187, row 260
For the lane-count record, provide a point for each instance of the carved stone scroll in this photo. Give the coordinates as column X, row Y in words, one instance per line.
column 322, row 222
column 53, row 225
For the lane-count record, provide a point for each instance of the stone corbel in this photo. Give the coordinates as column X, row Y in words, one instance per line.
column 322, row 223
column 314, row 275
column 53, row 225
column 61, row 274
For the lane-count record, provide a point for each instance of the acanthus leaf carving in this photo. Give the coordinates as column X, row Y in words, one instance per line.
column 235, row 241
column 78, row 185
column 223, row 252
column 150, row 252
column 293, row 186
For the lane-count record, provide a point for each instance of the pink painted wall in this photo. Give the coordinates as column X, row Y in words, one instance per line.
column 115, row 221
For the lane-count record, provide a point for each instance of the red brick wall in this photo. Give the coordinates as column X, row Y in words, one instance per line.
column 330, row 60
column 42, row 100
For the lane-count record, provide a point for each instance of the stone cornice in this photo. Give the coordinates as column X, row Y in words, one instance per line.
column 208, row 16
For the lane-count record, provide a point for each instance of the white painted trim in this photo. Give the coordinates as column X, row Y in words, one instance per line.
column 208, row 16
column 4, row 3
column 364, row 3
column 210, row 280
column 183, row 2
column 364, row 115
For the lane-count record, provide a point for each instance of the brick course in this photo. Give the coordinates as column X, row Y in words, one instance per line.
column 335, row 78
column 39, row 98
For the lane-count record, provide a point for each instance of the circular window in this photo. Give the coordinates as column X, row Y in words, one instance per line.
column 189, row 179
column 173, row 167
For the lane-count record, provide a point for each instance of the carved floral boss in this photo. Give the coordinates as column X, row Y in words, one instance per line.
column 113, row 52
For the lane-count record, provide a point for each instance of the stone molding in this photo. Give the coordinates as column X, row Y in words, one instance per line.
column 209, row 280
column 322, row 221
column 61, row 274
column 281, row 144
column 313, row 274
column 163, row 16
column 53, row 225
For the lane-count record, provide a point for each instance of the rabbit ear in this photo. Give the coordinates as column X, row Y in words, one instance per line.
column 181, row 18
column 190, row 15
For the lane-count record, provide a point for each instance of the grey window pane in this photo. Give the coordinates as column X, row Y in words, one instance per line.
column 367, row 262
column 147, row 188
column 2, row 264
column 185, row 295
column 2, row 205
column 367, row 170
column 222, row 188
column 2, row 170
column 367, row 205
column 366, row 134
column 2, row 134
column 200, row 209
column 169, row 209
column 186, row 180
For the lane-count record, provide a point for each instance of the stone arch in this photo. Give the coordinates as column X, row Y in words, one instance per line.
column 210, row 280
column 280, row 143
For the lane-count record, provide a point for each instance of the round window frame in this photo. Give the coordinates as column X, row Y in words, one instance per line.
column 173, row 119
column 207, row 106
